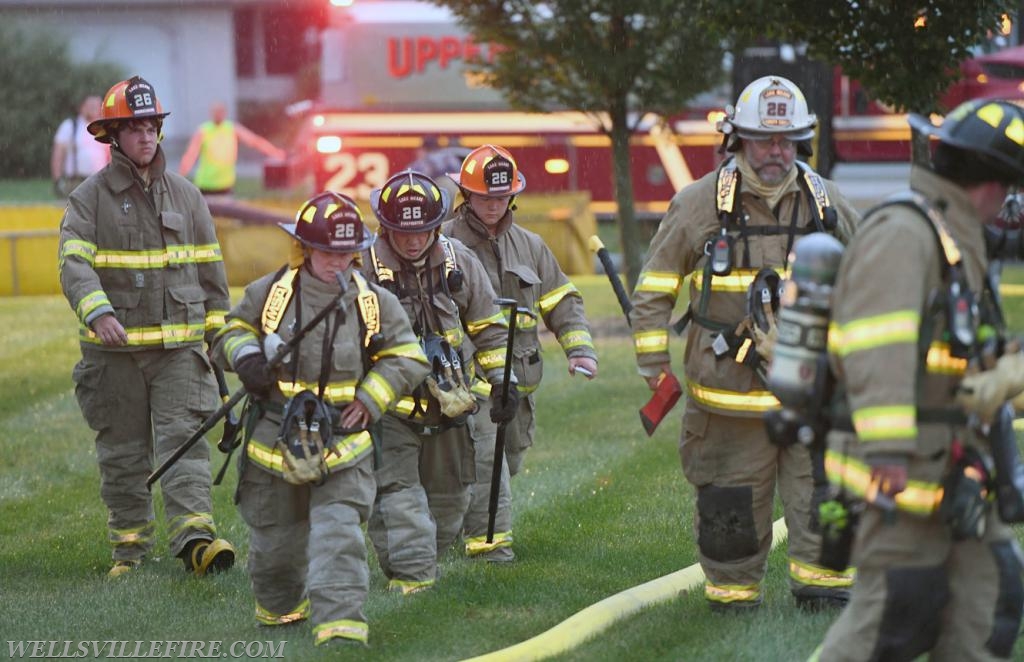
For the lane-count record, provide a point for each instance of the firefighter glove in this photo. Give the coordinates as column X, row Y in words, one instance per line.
column 983, row 393
column 252, row 371
column 764, row 341
column 504, row 412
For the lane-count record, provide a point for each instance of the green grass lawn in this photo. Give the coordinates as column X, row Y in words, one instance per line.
column 599, row 508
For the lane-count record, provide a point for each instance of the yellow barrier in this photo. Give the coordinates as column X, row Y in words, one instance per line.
column 28, row 249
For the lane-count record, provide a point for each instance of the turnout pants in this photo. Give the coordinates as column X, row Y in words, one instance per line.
column 307, row 553
column 918, row 590
column 423, row 486
column 144, row 404
column 735, row 470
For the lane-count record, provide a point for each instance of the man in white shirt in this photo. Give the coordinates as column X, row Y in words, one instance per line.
column 76, row 155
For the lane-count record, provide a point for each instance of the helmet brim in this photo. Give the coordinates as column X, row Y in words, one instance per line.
column 102, row 129
column 368, row 239
column 796, row 135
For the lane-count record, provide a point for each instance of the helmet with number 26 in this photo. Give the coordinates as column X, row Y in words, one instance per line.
column 771, row 105
column 331, row 222
column 131, row 99
column 490, row 170
column 410, row 202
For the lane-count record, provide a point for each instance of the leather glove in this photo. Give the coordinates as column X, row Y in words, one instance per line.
column 984, row 392
column 764, row 341
column 504, row 413
column 252, row 371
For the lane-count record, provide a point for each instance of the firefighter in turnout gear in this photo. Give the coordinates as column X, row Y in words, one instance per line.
column 520, row 267
column 306, row 473
column 141, row 267
column 722, row 230
column 428, row 466
column 937, row 569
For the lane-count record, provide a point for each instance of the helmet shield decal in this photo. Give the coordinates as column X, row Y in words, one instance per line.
column 140, row 97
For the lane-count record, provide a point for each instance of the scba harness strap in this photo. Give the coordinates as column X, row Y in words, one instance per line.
column 733, row 339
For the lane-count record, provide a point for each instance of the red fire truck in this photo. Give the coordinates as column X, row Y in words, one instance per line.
column 393, row 76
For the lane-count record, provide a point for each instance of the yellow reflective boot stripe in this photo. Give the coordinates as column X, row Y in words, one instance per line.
column 346, row 629
column 131, row 536
column 151, row 335
column 732, row 592
column 479, row 545
column 886, row 422
column 814, row 575
column 871, row 332
column 476, row 326
column 379, row 389
column 649, row 342
column 342, row 451
column 578, row 338
column 267, row 617
column 158, row 258
column 664, row 282
column 91, row 302
column 737, row 281
column 492, row 358
column 732, row 400
column 76, row 247
column 405, row 586
column 919, row 497
column 548, row 301
column 203, row 521
column 940, row 360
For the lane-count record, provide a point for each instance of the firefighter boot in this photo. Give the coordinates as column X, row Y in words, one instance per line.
column 818, row 598
column 204, row 557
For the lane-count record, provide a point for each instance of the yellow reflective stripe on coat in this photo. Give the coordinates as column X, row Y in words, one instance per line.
column 815, row 575
column 345, row 629
column 142, row 336
column 186, row 521
column 526, row 321
column 737, row 281
column 91, row 302
column 491, row 358
column 215, row 319
column 885, row 422
column 649, row 342
column 158, row 258
column 335, row 392
column 665, row 282
column 895, row 328
column 919, row 498
column 131, row 536
column 941, row 361
column 378, row 389
column 476, row 326
column 76, row 247
column 547, row 302
column 576, row 338
column 732, row 400
column 407, row 351
column 267, row 617
column 341, row 451
column 732, row 592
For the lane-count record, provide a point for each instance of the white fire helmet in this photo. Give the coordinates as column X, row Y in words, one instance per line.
column 769, row 105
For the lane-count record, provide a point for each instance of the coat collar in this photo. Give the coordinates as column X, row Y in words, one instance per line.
column 122, row 173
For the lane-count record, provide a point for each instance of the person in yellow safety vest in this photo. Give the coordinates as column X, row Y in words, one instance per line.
column 521, row 267
column 305, row 508
column 142, row 269
column 937, row 569
column 722, row 230
column 428, row 466
column 215, row 146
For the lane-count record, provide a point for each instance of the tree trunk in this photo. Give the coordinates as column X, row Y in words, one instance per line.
column 626, row 216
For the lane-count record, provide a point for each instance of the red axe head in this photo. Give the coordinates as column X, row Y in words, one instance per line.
column 664, row 398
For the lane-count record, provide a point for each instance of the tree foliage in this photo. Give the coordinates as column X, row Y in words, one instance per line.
column 616, row 60
column 41, row 86
column 905, row 53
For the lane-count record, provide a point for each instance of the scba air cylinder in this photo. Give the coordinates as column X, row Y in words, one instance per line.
column 799, row 372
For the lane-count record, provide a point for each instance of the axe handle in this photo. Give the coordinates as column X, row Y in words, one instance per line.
column 613, row 276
